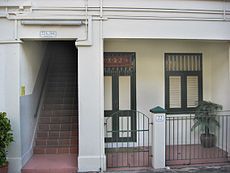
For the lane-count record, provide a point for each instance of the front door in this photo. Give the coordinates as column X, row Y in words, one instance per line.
column 120, row 95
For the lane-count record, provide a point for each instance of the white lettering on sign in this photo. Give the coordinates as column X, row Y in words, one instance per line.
column 48, row 34
column 160, row 118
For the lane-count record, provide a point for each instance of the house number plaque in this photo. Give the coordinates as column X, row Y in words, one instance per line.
column 48, row 34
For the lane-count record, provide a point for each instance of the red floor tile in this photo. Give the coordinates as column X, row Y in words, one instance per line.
column 50, row 163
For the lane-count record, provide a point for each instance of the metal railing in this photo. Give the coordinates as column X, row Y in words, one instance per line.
column 127, row 139
column 43, row 84
column 194, row 139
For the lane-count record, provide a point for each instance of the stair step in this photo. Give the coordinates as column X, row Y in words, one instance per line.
column 61, row 84
column 58, row 94
column 63, row 68
column 71, row 65
column 55, row 150
column 57, row 131
column 56, row 134
column 59, row 112
column 58, row 119
column 59, row 106
column 60, row 72
column 51, row 75
column 55, row 74
column 61, row 89
column 60, row 100
column 62, row 79
column 58, row 127
column 56, row 142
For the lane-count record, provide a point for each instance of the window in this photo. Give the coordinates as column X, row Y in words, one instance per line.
column 183, row 81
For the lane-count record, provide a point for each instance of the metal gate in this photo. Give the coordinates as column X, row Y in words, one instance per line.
column 127, row 139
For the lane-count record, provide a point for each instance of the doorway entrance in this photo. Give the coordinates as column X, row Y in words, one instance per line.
column 120, row 91
column 126, row 130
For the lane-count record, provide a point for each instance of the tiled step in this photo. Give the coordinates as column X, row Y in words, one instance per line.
column 51, row 75
column 59, row 107
column 55, row 150
column 58, row 119
column 56, row 134
column 71, row 64
column 64, row 58
column 61, row 89
column 56, row 142
column 62, row 74
column 45, row 113
column 62, row 79
column 58, row 127
column 57, row 71
column 64, row 64
column 57, row 131
column 58, row 94
column 51, row 163
column 63, row 67
column 60, row 100
column 62, row 84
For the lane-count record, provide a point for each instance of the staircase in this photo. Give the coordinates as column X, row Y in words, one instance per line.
column 56, row 143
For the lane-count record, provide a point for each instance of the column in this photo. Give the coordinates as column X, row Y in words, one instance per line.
column 158, row 137
column 91, row 103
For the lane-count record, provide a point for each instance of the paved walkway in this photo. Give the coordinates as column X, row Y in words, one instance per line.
column 206, row 169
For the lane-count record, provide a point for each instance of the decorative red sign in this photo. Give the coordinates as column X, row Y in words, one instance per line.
column 117, row 61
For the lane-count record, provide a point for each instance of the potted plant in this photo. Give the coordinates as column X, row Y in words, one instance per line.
column 205, row 117
column 6, row 137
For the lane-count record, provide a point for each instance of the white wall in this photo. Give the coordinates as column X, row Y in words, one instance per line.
column 9, row 99
column 170, row 19
column 32, row 54
column 32, row 70
column 150, row 67
column 7, row 31
column 220, row 84
column 166, row 29
column 2, row 78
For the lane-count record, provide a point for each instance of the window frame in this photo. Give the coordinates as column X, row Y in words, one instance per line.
column 183, row 75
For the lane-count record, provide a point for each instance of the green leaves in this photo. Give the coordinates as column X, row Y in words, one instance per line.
column 205, row 116
column 6, row 137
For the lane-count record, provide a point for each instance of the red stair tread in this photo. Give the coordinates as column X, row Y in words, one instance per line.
column 51, row 163
column 56, row 150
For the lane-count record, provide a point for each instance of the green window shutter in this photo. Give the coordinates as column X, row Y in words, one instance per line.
column 192, row 91
column 174, row 91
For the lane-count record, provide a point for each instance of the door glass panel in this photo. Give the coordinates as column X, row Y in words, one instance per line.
column 124, row 127
column 108, row 129
column 124, row 93
column 108, row 92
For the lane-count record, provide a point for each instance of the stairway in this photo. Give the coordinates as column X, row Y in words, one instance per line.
column 56, row 143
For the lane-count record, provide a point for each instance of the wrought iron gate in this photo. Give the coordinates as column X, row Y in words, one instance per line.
column 127, row 139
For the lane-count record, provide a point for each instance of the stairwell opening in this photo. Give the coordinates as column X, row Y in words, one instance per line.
column 56, row 140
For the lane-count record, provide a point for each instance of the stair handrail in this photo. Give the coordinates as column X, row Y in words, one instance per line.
column 43, row 86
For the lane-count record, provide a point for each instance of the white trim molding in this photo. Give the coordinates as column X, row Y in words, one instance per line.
column 91, row 163
column 10, row 41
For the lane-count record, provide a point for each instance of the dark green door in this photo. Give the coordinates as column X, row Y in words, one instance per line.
column 120, row 94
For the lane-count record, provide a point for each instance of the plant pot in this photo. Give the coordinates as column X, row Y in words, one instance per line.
column 4, row 168
column 208, row 140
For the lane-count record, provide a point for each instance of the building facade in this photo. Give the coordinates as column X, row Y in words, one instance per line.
column 154, row 32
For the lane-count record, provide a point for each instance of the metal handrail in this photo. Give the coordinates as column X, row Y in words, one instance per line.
column 42, row 88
